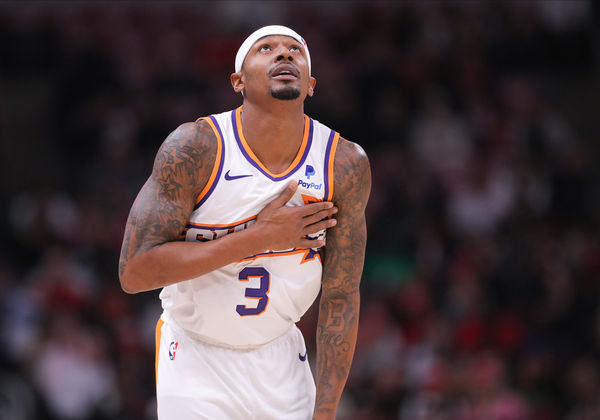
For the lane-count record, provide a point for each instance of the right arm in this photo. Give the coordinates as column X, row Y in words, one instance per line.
column 151, row 256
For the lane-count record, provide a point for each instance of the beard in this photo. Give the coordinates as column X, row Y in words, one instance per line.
column 285, row 93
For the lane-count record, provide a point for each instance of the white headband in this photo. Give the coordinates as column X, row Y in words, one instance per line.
column 263, row 32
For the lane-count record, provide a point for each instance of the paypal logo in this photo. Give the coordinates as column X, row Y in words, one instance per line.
column 309, row 185
column 310, row 171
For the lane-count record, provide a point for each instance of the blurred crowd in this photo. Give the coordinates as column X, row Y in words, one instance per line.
column 481, row 290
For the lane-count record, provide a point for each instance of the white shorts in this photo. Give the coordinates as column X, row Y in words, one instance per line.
column 195, row 380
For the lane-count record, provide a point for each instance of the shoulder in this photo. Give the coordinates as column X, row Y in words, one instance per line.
column 348, row 152
column 188, row 154
column 352, row 173
column 191, row 137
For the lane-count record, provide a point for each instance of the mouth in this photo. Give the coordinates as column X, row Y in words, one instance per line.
column 285, row 72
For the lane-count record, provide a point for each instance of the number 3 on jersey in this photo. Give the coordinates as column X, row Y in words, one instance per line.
column 259, row 293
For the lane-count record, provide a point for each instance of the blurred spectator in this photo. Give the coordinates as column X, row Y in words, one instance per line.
column 72, row 373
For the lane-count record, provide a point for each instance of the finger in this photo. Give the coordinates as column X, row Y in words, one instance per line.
column 312, row 208
column 285, row 195
column 317, row 227
column 310, row 243
column 323, row 214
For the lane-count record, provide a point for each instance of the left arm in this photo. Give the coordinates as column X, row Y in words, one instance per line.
column 343, row 264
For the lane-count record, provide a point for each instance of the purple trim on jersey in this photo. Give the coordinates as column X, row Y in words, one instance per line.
column 326, row 171
column 220, row 163
column 209, row 227
column 310, row 255
column 256, row 165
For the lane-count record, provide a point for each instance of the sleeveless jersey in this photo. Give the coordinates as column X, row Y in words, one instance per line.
column 257, row 299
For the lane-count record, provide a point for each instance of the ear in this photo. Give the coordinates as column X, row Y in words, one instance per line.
column 311, row 86
column 237, row 82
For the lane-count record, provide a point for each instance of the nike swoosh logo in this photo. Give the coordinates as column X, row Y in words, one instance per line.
column 302, row 358
column 232, row 177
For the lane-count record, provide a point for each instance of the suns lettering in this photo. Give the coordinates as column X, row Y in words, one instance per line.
column 204, row 233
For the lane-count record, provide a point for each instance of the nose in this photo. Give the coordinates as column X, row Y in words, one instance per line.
column 284, row 54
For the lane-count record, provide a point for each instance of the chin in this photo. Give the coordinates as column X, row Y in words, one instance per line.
column 287, row 93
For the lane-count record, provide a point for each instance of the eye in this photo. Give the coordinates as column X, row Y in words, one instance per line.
column 295, row 48
column 264, row 48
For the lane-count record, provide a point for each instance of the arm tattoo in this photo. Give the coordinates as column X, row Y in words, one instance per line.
column 335, row 315
column 344, row 256
column 162, row 208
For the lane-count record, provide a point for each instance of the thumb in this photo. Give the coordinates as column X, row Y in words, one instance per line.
column 286, row 195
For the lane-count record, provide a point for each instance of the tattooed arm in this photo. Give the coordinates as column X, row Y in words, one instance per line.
column 151, row 256
column 340, row 299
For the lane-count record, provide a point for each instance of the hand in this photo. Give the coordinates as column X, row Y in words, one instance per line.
column 287, row 227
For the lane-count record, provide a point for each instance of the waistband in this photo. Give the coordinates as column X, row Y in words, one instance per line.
column 208, row 341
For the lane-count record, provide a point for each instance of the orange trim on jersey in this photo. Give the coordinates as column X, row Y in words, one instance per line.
column 159, row 325
column 227, row 225
column 336, row 138
column 215, row 171
column 309, row 199
column 304, row 251
column 238, row 117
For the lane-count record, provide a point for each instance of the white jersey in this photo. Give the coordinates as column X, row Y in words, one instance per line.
column 257, row 299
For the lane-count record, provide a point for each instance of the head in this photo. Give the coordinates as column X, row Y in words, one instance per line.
column 273, row 62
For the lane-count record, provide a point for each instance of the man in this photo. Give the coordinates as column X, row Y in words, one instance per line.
column 232, row 225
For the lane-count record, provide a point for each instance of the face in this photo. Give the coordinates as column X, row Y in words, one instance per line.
column 275, row 66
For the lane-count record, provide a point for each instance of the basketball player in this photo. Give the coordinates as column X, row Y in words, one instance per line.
column 236, row 225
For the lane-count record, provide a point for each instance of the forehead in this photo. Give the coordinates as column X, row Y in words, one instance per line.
column 277, row 39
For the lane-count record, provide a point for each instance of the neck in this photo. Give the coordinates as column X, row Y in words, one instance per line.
column 274, row 132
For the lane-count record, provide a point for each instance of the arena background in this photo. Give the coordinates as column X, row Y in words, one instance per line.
column 482, row 280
